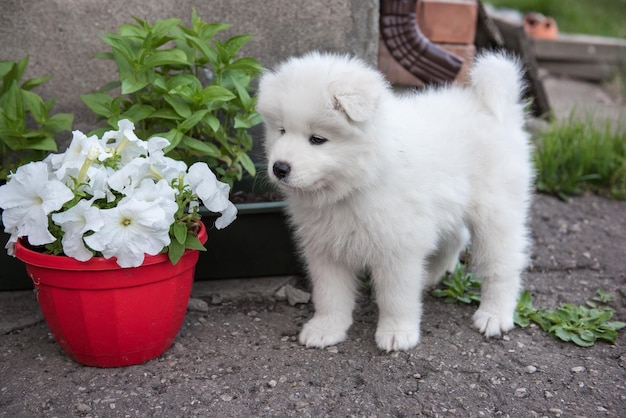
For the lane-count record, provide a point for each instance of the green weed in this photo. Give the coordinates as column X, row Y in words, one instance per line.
column 460, row 286
column 581, row 325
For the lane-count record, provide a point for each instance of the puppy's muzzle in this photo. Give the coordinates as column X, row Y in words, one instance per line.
column 281, row 170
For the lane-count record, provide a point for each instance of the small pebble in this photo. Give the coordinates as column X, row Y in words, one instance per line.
column 530, row 369
column 197, row 305
column 83, row 407
column 272, row 383
column 578, row 369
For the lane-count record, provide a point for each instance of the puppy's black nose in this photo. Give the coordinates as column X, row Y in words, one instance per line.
column 281, row 169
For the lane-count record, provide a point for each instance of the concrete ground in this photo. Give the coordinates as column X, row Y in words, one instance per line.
column 237, row 355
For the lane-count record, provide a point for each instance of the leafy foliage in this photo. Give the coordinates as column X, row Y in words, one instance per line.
column 581, row 325
column 183, row 84
column 460, row 286
column 27, row 128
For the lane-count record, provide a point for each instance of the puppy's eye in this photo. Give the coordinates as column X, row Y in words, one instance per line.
column 317, row 140
column 281, row 131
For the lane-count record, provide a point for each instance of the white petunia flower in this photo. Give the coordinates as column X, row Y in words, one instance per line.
column 155, row 166
column 131, row 230
column 127, row 177
column 75, row 222
column 124, row 142
column 74, row 157
column 160, row 193
column 28, row 198
column 212, row 192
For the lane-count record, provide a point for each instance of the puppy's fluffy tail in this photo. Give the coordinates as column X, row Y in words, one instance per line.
column 497, row 80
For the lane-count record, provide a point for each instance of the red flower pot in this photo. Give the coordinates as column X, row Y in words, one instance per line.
column 107, row 316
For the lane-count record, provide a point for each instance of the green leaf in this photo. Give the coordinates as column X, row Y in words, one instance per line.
column 59, row 122
column 234, row 44
column 174, row 136
column 34, row 82
column 179, row 105
column 123, row 53
column 174, row 83
column 616, row 325
column 165, row 114
column 166, row 57
column 43, row 144
column 133, row 31
column 562, row 334
column 193, row 120
column 193, row 243
column 134, row 82
column 587, row 335
column 216, row 93
column 247, row 64
column 247, row 163
column 212, row 121
column 138, row 112
column 20, row 67
column 206, row 148
column 99, row 103
column 34, row 103
column 576, row 339
column 13, row 105
column 175, row 251
column 5, row 67
column 180, row 232
column 160, row 28
column 206, row 50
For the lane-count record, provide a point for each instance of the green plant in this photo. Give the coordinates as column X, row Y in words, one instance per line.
column 582, row 325
column 181, row 83
column 27, row 128
column 578, row 155
column 460, row 286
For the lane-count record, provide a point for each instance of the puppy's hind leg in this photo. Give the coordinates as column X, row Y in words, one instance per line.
column 446, row 257
column 499, row 245
column 334, row 293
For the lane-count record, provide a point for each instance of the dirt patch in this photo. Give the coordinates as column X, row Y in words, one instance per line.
column 241, row 357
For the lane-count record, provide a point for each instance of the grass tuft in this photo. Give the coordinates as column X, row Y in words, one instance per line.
column 580, row 154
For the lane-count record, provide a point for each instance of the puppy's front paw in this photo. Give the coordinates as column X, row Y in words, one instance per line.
column 492, row 325
column 397, row 340
column 321, row 332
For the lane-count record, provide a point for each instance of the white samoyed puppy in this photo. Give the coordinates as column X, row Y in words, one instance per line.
column 394, row 185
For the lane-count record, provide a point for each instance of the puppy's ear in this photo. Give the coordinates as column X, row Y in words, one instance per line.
column 358, row 95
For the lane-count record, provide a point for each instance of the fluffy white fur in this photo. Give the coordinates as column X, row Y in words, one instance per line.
column 398, row 186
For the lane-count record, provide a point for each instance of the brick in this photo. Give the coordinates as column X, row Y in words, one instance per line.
column 448, row 21
column 396, row 74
